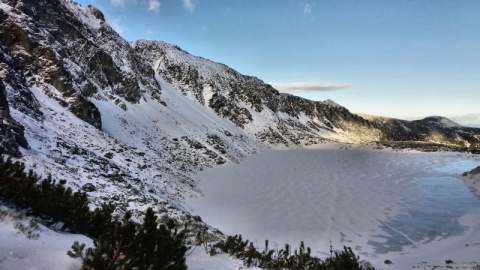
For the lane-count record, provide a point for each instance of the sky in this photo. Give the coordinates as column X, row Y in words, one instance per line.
column 406, row 59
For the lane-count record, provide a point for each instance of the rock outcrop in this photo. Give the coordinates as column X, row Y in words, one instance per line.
column 11, row 132
column 472, row 179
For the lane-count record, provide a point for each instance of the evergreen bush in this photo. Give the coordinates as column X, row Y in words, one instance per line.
column 284, row 259
column 118, row 244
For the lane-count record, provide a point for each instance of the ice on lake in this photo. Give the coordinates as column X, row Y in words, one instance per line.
column 382, row 203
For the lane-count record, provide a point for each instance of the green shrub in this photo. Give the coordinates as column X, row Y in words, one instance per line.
column 118, row 244
column 286, row 259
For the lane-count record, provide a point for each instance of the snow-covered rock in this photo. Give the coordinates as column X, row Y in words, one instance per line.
column 472, row 179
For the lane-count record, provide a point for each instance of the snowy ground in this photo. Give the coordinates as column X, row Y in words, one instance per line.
column 408, row 207
column 357, row 196
column 199, row 260
column 47, row 252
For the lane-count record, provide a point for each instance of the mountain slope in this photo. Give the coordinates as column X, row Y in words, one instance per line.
column 433, row 129
column 278, row 118
column 77, row 103
column 249, row 103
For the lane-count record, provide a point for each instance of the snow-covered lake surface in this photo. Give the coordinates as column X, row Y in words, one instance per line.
column 404, row 206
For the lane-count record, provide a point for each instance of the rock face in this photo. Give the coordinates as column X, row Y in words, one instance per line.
column 474, row 172
column 70, row 53
column 11, row 132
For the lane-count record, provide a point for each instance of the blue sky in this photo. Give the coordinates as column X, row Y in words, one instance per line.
column 406, row 59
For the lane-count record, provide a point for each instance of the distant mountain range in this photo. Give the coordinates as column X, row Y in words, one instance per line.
column 470, row 120
column 130, row 122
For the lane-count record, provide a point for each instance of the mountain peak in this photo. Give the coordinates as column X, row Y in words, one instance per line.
column 331, row 103
column 440, row 121
column 96, row 12
column 89, row 15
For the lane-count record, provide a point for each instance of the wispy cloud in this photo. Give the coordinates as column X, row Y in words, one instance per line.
column 154, row 5
column 291, row 87
column 118, row 3
column 189, row 5
column 308, row 7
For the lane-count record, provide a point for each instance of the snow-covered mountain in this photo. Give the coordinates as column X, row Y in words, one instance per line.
column 434, row 129
column 131, row 122
column 274, row 118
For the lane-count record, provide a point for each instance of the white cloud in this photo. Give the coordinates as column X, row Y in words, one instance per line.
column 291, row 87
column 189, row 5
column 154, row 5
column 122, row 3
column 308, row 7
column 118, row 3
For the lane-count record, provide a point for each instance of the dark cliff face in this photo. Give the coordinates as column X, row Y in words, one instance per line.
column 92, row 48
column 71, row 59
column 11, row 132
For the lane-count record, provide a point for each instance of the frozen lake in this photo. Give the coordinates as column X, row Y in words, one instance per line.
column 384, row 204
